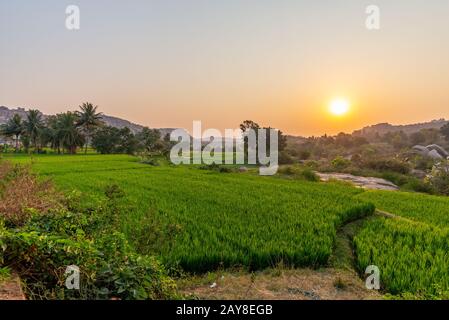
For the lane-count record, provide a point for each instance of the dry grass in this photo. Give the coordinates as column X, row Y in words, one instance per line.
column 11, row 289
column 288, row 284
column 22, row 193
column 5, row 169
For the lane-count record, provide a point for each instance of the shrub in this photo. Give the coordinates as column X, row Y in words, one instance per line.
column 303, row 173
column 287, row 170
column 304, row 154
column 43, row 248
column 108, row 267
column 151, row 162
column 418, row 186
column 20, row 183
column 439, row 178
column 224, row 169
column 310, row 175
column 216, row 167
column 392, row 165
column 45, row 244
column 397, row 178
column 285, row 158
column 340, row 163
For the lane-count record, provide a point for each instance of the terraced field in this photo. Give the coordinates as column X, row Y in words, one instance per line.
column 415, row 206
column 412, row 253
column 240, row 219
column 224, row 219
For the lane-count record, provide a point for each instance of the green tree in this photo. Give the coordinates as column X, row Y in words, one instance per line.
column 128, row 144
column 149, row 138
column 106, row 140
column 445, row 131
column 89, row 120
column 51, row 133
column 14, row 127
column 68, row 132
column 33, row 126
column 417, row 138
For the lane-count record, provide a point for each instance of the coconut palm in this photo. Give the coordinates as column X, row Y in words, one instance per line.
column 89, row 120
column 51, row 133
column 14, row 127
column 68, row 133
column 33, row 126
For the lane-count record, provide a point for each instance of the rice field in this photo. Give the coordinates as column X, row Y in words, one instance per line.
column 224, row 219
column 242, row 219
column 433, row 210
column 413, row 257
column 412, row 253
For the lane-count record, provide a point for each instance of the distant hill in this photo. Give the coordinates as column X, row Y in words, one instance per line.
column 6, row 113
column 383, row 128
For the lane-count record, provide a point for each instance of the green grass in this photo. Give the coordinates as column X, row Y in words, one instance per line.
column 5, row 274
column 242, row 219
column 415, row 206
column 413, row 254
column 225, row 219
column 412, row 257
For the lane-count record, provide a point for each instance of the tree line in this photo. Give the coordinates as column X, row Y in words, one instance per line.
column 67, row 132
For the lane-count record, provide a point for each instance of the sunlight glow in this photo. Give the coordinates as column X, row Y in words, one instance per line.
column 339, row 107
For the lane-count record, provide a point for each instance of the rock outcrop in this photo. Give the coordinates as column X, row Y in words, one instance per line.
column 363, row 182
column 433, row 151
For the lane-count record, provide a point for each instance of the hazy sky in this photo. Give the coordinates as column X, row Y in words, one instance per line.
column 165, row 63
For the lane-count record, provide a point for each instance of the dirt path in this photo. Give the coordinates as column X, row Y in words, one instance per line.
column 339, row 281
column 274, row 284
column 10, row 289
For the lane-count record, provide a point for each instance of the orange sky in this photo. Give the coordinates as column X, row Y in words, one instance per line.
column 279, row 63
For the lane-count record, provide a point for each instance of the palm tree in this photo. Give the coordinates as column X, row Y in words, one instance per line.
column 89, row 120
column 51, row 133
column 33, row 126
column 68, row 133
column 14, row 127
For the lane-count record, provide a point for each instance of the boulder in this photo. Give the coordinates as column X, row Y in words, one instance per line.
column 433, row 151
column 439, row 149
column 434, row 154
column 421, row 149
column 421, row 174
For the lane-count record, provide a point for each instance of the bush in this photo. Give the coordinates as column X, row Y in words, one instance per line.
column 340, row 163
column 310, row 175
column 19, row 183
column 392, row 165
column 285, row 158
column 108, row 267
column 216, row 167
column 288, row 170
column 418, row 186
column 151, row 162
column 305, row 154
column 46, row 243
column 397, row 178
column 225, row 170
column 439, row 178
column 303, row 173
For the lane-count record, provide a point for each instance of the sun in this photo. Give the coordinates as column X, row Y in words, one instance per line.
column 339, row 107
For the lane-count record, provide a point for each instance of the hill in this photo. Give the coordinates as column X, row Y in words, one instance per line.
column 383, row 128
column 7, row 113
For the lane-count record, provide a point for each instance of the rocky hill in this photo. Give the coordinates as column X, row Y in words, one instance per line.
column 383, row 128
column 6, row 113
